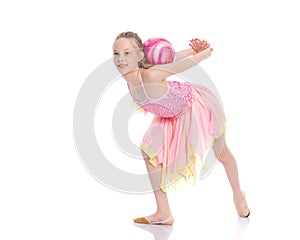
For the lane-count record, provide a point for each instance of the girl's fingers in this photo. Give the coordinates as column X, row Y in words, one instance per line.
column 199, row 45
column 198, row 41
column 196, row 50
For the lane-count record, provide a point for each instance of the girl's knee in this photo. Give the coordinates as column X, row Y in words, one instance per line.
column 222, row 153
column 221, row 158
column 145, row 155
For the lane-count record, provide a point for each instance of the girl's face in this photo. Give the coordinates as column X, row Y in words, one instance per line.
column 126, row 55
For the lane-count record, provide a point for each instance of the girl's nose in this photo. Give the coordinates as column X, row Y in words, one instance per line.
column 120, row 58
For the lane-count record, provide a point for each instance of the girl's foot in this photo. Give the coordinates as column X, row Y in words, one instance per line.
column 241, row 205
column 156, row 218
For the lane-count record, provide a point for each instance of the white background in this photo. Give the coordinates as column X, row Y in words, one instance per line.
column 48, row 48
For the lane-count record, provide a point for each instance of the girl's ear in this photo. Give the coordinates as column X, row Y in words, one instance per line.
column 141, row 55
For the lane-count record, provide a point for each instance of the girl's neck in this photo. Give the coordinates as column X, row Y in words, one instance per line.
column 132, row 78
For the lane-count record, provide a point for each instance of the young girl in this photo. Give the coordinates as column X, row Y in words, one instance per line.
column 188, row 120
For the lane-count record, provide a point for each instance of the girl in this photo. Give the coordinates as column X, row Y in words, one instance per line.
column 188, row 120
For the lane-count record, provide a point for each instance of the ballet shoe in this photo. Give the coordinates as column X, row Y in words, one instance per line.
column 144, row 220
column 242, row 207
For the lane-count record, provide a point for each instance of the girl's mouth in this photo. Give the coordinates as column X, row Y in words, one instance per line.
column 122, row 65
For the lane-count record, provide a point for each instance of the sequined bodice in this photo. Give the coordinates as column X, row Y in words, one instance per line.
column 173, row 104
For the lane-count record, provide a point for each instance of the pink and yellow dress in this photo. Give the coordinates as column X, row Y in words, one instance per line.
column 188, row 120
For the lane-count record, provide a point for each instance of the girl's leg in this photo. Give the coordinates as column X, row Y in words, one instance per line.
column 163, row 209
column 230, row 165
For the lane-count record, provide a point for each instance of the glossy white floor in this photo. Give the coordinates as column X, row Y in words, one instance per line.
column 49, row 205
column 207, row 212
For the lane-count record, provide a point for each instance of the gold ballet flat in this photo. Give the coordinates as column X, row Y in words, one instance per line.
column 144, row 220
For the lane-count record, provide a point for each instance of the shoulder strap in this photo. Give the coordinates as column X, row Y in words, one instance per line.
column 142, row 84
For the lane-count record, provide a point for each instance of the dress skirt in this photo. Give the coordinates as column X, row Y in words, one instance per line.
column 192, row 142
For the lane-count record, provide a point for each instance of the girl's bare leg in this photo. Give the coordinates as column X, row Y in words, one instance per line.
column 163, row 209
column 230, row 165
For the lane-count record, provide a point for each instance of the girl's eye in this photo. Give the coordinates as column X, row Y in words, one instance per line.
column 115, row 54
column 126, row 53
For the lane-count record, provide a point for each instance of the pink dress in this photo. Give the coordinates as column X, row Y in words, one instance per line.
column 188, row 119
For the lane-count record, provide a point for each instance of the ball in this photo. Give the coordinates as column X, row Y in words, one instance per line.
column 158, row 51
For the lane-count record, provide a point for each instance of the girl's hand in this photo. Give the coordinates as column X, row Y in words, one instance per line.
column 198, row 46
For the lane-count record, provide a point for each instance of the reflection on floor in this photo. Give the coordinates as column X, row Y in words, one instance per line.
column 163, row 232
column 160, row 232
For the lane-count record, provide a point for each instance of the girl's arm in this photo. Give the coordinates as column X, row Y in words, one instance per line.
column 184, row 53
column 159, row 73
column 196, row 45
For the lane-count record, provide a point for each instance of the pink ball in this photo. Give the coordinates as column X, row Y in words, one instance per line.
column 158, row 51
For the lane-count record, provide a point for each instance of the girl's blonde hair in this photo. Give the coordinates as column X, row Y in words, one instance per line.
column 139, row 45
